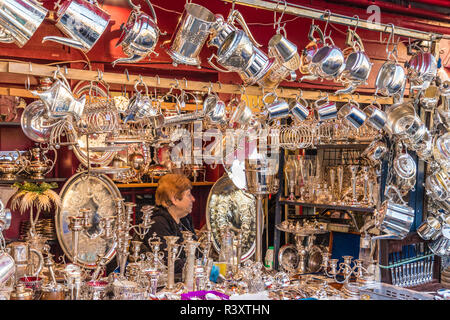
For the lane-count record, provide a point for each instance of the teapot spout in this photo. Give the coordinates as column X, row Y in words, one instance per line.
column 65, row 41
column 134, row 58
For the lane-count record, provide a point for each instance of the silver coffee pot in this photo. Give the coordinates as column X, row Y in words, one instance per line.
column 19, row 20
column 82, row 21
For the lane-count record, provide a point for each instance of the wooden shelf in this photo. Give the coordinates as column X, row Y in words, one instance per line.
column 154, row 185
column 9, row 124
column 327, row 206
column 33, row 180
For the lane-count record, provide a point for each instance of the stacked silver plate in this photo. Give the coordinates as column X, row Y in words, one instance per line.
column 44, row 227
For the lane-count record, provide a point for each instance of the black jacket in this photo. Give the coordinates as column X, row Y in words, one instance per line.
column 165, row 225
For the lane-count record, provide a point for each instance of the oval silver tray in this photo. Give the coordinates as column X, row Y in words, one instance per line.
column 109, row 170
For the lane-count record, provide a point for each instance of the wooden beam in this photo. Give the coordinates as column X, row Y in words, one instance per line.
column 39, row 70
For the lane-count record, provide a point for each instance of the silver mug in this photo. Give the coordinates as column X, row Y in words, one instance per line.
column 299, row 109
column 278, row 109
column 325, row 109
column 190, row 35
column 430, row 228
column 393, row 218
column 351, row 113
column 376, row 117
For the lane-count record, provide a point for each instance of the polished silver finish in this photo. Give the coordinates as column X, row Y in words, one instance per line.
column 229, row 206
column 60, row 101
column 328, row 62
column 19, row 20
column 393, row 218
column 190, row 35
column 441, row 245
column 35, row 122
column 299, row 109
column 391, row 79
column 421, row 70
column 236, row 51
column 139, row 36
column 351, row 113
column 21, row 253
column 325, row 109
column 357, row 66
column 284, row 51
column 96, row 193
column 277, row 109
column 376, row 117
column 82, row 21
column 7, row 267
column 430, row 228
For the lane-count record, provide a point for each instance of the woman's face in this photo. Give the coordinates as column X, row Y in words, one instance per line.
column 184, row 205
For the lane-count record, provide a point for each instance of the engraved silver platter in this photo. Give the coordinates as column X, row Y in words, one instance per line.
column 86, row 191
column 229, row 206
column 95, row 141
column 288, row 258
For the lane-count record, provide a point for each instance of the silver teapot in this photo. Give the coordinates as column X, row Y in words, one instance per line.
column 38, row 165
column 11, row 166
column 59, row 99
column 139, row 35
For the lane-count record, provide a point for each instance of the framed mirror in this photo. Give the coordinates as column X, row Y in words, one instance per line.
column 98, row 193
column 227, row 205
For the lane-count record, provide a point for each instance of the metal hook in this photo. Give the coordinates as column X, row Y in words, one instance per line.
column 30, row 66
column 220, row 85
column 158, row 81
column 357, row 23
column 27, row 83
column 99, row 75
column 127, row 74
column 185, row 82
column 326, row 15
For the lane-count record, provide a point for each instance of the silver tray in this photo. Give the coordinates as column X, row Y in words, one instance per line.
column 95, row 141
column 109, row 170
column 112, row 148
column 86, row 191
column 34, row 125
column 228, row 205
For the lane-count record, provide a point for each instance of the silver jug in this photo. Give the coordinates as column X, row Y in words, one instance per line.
column 351, row 113
column 19, row 20
column 325, row 109
column 441, row 245
column 21, row 253
column 376, row 117
column 284, row 51
column 82, row 21
column 299, row 109
column 357, row 65
column 393, row 218
column 277, row 109
column 430, row 228
column 190, row 35
column 139, row 36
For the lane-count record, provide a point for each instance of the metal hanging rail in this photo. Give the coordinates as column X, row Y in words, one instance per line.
column 38, row 70
column 302, row 11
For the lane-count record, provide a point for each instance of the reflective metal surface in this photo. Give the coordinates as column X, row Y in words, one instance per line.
column 86, row 191
column 229, row 206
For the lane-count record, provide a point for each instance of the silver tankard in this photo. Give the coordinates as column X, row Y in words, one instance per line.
column 21, row 253
column 190, row 35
